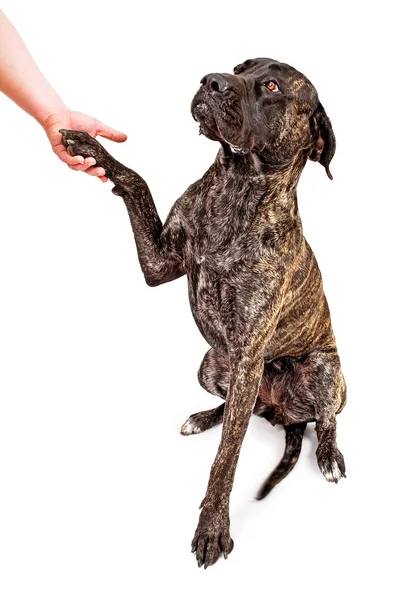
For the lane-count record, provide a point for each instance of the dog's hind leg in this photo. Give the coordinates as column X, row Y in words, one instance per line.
column 333, row 389
column 329, row 458
column 293, row 445
column 213, row 375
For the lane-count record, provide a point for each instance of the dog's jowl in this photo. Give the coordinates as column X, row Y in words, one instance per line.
column 254, row 285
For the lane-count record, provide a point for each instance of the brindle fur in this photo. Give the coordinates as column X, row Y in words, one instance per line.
column 254, row 284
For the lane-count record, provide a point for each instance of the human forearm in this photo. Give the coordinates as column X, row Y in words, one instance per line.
column 20, row 78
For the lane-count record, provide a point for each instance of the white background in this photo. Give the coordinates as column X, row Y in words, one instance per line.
column 99, row 493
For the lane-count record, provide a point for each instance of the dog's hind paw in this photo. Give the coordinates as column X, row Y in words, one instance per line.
column 203, row 420
column 332, row 465
column 190, row 427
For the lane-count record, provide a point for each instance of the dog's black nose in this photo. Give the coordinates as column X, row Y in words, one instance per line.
column 216, row 82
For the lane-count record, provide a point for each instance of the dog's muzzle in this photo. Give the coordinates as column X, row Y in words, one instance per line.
column 209, row 109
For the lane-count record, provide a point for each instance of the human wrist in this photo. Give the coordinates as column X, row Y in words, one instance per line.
column 45, row 114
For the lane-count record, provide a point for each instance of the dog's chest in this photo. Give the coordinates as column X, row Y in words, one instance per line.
column 221, row 224
column 221, row 246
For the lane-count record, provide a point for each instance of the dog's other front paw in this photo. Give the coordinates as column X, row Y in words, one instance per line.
column 80, row 143
column 331, row 463
column 212, row 537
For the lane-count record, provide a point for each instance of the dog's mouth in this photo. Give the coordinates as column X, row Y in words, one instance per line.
column 219, row 121
column 206, row 119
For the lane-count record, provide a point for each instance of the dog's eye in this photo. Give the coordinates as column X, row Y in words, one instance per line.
column 271, row 86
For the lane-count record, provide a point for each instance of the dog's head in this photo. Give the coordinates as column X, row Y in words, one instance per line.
column 267, row 108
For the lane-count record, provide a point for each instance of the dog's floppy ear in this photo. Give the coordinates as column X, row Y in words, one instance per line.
column 324, row 145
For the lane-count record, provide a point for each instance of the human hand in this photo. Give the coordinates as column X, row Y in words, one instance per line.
column 78, row 121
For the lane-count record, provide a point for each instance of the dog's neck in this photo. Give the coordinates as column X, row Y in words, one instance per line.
column 276, row 184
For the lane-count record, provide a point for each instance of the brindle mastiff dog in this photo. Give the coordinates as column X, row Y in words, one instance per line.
column 254, row 285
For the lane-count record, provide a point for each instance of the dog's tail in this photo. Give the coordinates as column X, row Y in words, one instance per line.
column 293, row 446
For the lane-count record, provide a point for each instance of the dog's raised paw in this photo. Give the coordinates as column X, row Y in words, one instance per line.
column 80, row 143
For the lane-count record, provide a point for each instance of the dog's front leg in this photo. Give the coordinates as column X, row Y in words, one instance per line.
column 212, row 536
column 159, row 247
